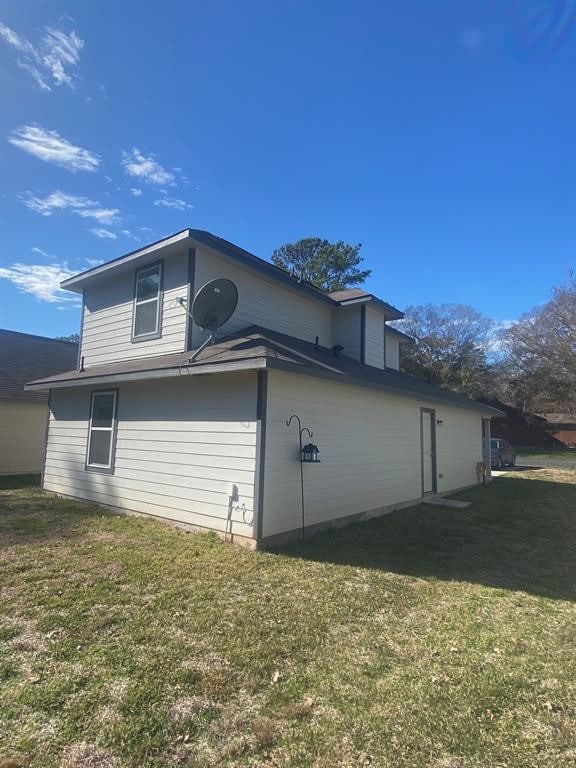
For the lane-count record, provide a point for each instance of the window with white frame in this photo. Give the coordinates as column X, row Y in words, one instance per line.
column 147, row 303
column 101, row 431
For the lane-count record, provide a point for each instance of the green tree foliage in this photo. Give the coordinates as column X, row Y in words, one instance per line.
column 329, row 266
column 540, row 353
column 71, row 337
column 451, row 349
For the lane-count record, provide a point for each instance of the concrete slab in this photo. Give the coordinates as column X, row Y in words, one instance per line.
column 438, row 501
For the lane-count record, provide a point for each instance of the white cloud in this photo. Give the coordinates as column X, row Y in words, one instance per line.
column 146, row 168
column 173, row 202
column 103, row 234
column 472, row 41
column 82, row 206
column 52, row 61
column 41, row 252
column 41, row 281
column 53, row 148
column 135, row 192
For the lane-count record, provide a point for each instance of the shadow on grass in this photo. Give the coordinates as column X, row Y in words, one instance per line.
column 519, row 534
column 13, row 482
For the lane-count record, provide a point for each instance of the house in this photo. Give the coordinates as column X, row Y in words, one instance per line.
column 521, row 428
column 562, row 428
column 24, row 415
column 205, row 443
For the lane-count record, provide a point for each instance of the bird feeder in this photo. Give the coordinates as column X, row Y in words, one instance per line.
column 310, row 454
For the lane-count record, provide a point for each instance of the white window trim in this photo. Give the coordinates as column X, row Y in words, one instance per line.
column 109, row 467
column 157, row 332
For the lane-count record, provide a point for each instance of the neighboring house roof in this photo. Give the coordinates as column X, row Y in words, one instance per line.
column 77, row 282
column 24, row 357
column 258, row 348
column 520, row 428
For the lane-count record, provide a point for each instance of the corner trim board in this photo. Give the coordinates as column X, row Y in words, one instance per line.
column 363, row 334
column 191, row 289
column 46, row 432
column 261, row 407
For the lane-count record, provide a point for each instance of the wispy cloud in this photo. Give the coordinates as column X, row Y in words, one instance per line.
column 104, row 234
column 52, row 61
column 472, row 41
column 173, row 202
column 146, row 168
column 82, row 206
column 41, row 252
column 41, row 281
column 135, row 192
column 53, row 148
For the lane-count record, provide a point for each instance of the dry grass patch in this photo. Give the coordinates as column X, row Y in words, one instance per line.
column 428, row 639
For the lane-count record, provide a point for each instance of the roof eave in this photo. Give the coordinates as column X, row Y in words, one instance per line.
column 76, row 282
column 158, row 373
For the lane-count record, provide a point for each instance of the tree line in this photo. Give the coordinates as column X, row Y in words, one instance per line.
column 530, row 363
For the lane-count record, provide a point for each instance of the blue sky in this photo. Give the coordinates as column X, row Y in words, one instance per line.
column 440, row 135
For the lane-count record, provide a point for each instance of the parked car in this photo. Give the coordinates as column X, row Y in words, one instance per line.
column 501, row 453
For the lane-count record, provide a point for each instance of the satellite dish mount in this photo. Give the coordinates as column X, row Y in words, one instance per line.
column 213, row 306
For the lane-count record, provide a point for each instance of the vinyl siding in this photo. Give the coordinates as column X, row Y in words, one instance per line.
column 263, row 302
column 347, row 330
column 374, row 338
column 181, row 444
column 369, row 448
column 22, row 434
column 108, row 311
column 392, row 351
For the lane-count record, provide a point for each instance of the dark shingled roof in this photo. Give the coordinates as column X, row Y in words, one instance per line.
column 262, row 348
column 24, row 357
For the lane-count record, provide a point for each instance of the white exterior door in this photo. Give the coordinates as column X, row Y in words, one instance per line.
column 428, row 434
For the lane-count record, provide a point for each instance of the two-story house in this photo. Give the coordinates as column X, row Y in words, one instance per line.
column 140, row 428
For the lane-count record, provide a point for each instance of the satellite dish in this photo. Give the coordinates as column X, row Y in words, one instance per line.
column 214, row 304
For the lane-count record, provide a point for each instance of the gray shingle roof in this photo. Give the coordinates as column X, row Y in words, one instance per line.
column 24, row 357
column 262, row 348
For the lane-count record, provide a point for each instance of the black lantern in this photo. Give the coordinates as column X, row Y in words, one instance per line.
column 310, row 454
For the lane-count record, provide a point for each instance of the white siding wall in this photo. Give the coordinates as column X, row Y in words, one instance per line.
column 264, row 302
column 22, row 434
column 107, row 328
column 374, row 338
column 347, row 327
column 181, row 444
column 392, row 351
column 369, row 447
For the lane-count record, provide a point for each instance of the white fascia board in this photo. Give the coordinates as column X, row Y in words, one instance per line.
column 76, row 282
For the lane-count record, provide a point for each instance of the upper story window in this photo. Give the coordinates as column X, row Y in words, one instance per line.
column 147, row 303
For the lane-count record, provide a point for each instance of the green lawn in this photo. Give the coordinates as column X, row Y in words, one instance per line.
column 429, row 638
column 534, row 453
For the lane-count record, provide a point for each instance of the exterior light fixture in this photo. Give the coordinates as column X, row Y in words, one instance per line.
column 310, row 454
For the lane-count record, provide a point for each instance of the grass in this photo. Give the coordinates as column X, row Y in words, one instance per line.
column 568, row 453
column 430, row 638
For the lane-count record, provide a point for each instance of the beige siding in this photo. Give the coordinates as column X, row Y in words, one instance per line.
column 22, row 434
column 181, row 445
column 392, row 351
column 369, row 447
column 263, row 302
column 108, row 310
column 347, row 330
column 374, row 338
